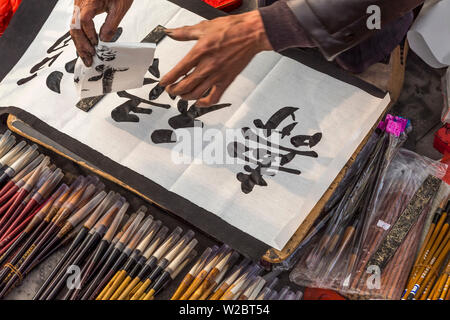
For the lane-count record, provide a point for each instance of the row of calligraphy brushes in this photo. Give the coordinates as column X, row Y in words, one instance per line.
column 217, row 276
column 424, row 282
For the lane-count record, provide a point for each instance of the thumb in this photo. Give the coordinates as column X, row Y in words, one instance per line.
column 184, row 33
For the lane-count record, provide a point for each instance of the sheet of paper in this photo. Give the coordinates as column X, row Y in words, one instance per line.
column 265, row 191
column 428, row 36
column 115, row 67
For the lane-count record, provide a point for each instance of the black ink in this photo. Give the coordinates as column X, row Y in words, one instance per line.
column 187, row 119
column 70, row 66
column 149, row 81
column 154, row 68
column 76, row 79
column 182, row 106
column 286, row 131
column 304, row 140
column 276, row 119
column 105, row 53
column 249, row 181
column 39, row 65
column 163, row 136
column 65, row 39
column 122, row 112
column 155, row 36
column 156, row 92
column 25, row 80
column 124, row 94
column 54, row 81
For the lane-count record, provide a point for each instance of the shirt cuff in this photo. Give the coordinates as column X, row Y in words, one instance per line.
column 282, row 27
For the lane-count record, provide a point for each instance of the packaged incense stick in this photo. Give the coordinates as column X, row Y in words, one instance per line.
column 367, row 247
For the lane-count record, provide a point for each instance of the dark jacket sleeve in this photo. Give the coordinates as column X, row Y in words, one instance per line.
column 333, row 25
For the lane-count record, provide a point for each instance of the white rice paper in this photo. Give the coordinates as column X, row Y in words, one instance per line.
column 343, row 114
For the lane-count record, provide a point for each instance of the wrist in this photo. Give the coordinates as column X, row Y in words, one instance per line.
column 254, row 25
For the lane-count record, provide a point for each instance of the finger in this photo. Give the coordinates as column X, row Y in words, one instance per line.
column 189, row 82
column 89, row 30
column 109, row 28
column 199, row 91
column 84, row 47
column 182, row 68
column 184, row 33
column 213, row 97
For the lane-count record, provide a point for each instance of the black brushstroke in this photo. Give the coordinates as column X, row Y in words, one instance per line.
column 154, row 68
column 39, row 65
column 54, row 81
column 250, row 135
column 105, row 53
column 156, row 92
column 305, row 140
column 173, row 97
column 286, row 131
column 70, row 66
column 122, row 112
column 188, row 119
column 276, row 119
column 65, row 39
column 182, row 106
column 25, row 80
column 163, row 136
column 249, row 181
column 149, row 81
column 124, row 94
column 76, row 79
column 156, row 35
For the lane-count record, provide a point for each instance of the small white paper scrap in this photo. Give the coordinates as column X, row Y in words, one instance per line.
column 115, row 67
column 383, row 225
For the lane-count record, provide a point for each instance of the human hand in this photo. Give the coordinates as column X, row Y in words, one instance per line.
column 224, row 48
column 83, row 30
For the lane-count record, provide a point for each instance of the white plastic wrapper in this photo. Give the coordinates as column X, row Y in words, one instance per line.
column 115, row 67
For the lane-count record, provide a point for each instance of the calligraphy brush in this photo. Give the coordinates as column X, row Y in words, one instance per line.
column 35, row 222
column 215, row 276
column 6, row 142
column 212, row 275
column 96, row 255
column 168, row 243
column 235, row 274
column 204, row 272
column 438, row 221
column 36, row 198
column 102, row 228
column 111, row 285
column 162, row 263
column 169, row 269
column 11, row 169
column 433, row 264
column 93, row 288
column 89, row 239
column 436, row 238
column 132, row 279
column 8, row 157
column 251, row 287
column 17, row 181
column 104, row 253
column 135, row 261
column 257, row 289
column 159, row 285
column 19, row 197
column 235, row 288
column 109, row 277
column 72, row 222
column 52, row 228
column 267, row 294
column 196, row 268
column 216, row 281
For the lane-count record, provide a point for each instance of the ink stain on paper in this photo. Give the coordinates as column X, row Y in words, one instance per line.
column 156, row 92
column 154, row 68
column 25, row 80
column 70, row 66
column 122, row 112
column 303, row 140
column 188, row 117
column 276, row 119
column 163, row 136
column 54, row 81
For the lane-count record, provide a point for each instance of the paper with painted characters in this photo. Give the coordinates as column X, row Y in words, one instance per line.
column 260, row 159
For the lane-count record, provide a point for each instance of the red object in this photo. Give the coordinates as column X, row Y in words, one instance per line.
column 321, row 294
column 7, row 10
column 442, row 139
column 224, row 5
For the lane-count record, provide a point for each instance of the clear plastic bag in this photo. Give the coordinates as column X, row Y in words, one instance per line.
column 337, row 257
